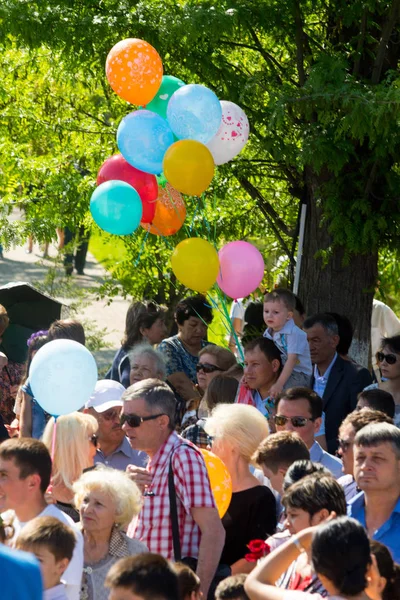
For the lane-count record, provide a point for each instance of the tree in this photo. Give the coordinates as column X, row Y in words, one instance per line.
column 319, row 83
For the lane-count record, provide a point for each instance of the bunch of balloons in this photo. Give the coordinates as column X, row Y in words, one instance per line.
column 179, row 130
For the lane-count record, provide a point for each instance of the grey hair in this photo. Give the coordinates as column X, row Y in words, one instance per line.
column 155, row 355
column 157, row 395
column 323, row 319
column 379, row 433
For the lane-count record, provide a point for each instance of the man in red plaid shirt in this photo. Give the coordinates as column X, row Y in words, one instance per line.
column 148, row 416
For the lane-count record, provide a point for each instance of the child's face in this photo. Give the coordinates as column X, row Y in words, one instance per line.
column 276, row 314
column 51, row 568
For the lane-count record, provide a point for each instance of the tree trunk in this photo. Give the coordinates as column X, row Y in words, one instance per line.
column 345, row 287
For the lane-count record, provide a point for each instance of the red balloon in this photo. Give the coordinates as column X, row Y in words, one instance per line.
column 116, row 167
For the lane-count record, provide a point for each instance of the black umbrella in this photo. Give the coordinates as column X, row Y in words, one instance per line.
column 29, row 310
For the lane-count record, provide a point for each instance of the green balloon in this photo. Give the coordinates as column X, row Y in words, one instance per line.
column 159, row 104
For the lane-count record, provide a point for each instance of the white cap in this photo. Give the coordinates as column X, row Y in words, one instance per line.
column 107, row 394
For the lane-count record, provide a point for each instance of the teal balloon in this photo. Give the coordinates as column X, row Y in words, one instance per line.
column 169, row 85
column 116, row 207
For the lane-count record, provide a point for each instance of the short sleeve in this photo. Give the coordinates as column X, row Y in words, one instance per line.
column 174, row 362
column 191, row 479
column 296, row 341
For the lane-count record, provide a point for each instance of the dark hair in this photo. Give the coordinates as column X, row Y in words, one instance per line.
column 302, row 468
column 67, row 329
column 193, row 306
column 299, row 305
column 221, row 389
column 280, row 450
column 281, row 295
column 340, row 551
column 232, row 588
column 378, row 433
column 267, row 347
column 345, row 332
column 302, row 393
column 254, row 325
column 30, row 456
column 379, row 400
column 34, row 346
column 393, row 342
column 188, row 582
column 148, row 575
column 323, row 319
column 140, row 315
column 388, row 569
column 4, row 319
column 49, row 532
column 361, row 418
column 314, row 493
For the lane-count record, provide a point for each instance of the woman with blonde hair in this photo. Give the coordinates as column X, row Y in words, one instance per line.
column 74, row 451
column 236, row 430
column 107, row 500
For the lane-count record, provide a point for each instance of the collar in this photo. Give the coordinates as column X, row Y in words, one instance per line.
column 118, row 544
column 317, row 451
column 287, row 328
column 124, row 447
column 359, row 502
column 327, row 372
column 162, row 455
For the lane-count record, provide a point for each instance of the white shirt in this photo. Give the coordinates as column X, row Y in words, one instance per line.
column 334, row 464
column 55, row 593
column 73, row 574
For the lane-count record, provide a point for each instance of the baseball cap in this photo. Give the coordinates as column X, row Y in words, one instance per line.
column 107, row 394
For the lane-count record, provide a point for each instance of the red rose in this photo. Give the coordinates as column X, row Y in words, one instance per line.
column 256, row 546
column 251, row 557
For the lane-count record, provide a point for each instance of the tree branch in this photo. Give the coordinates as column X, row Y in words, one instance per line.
column 299, row 43
column 386, row 33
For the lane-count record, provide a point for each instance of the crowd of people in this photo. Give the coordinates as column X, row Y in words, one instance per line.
column 114, row 502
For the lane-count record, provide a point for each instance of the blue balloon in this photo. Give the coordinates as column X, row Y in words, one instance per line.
column 143, row 137
column 62, row 375
column 194, row 113
column 116, row 207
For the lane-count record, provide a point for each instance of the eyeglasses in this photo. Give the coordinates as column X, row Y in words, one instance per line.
column 281, row 420
column 344, row 445
column 111, row 416
column 135, row 420
column 93, row 440
column 207, row 368
column 390, row 358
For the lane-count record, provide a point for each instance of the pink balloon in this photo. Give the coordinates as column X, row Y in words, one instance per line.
column 241, row 269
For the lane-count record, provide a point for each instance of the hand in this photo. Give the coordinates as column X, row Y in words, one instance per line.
column 140, row 476
column 13, row 428
column 275, row 390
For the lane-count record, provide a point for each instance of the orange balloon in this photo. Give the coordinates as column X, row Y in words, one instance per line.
column 220, row 480
column 189, row 167
column 134, row 70
column 170, row 212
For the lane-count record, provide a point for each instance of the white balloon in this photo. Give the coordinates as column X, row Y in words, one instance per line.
column 232, row 134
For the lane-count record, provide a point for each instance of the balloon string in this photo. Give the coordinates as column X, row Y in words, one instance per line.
column 141, row 248
column 235, row 336
column 53, row 439
column 193, row 218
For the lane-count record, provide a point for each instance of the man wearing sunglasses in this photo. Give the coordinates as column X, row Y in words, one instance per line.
column 114, row 449
column 299, row 409
column 148, row 419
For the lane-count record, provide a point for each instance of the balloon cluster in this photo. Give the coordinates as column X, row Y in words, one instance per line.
column 180, row 130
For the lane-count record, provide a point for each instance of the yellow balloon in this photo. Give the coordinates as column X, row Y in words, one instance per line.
column 195, row 263
column 189, row 167
column 220, row 480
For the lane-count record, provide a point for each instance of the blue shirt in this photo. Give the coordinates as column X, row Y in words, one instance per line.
column 19, row 575
column 320, row 382
column 388, row 534
column 318, row 454
column 123, row 456
column 292, row 340
column 39, row 416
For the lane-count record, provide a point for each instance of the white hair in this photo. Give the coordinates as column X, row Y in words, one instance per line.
column 156, row 356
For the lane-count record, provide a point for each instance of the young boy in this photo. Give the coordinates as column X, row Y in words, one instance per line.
column 279, row 306
column 52, row 543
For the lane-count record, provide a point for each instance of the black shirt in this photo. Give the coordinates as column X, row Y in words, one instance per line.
column 251, row 516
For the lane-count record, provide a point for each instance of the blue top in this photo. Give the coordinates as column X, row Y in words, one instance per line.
column 120, row 369
column 19, row 575
column 292, row 340
column 178, row 359
column 388, row 533
column 123, row 456
column 39, row 416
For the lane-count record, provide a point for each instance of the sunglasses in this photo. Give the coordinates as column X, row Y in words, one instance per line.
column 207, row 368
column 111, row 416
column 390, row 358
column 93, row 440
column 343, row 445
column 135, row 420
column 280, row 420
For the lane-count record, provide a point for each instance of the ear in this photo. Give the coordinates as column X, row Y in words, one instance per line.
column 142, row 330
column 275, row 365
column 290, row 315
column 163, row 422
column 34, row 481
column 317, row 424
column 62, row 566
column 320, row 516
column 335, row 340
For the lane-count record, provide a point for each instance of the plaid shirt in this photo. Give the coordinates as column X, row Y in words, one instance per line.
column 193, row 490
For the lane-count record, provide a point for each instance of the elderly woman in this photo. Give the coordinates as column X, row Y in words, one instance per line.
column 192, row 316
column 107, row 501
column 146, row 363
column 388, row 359
column 74, row 451
column 236, row 431
column 144, row 323
column 213, row 360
